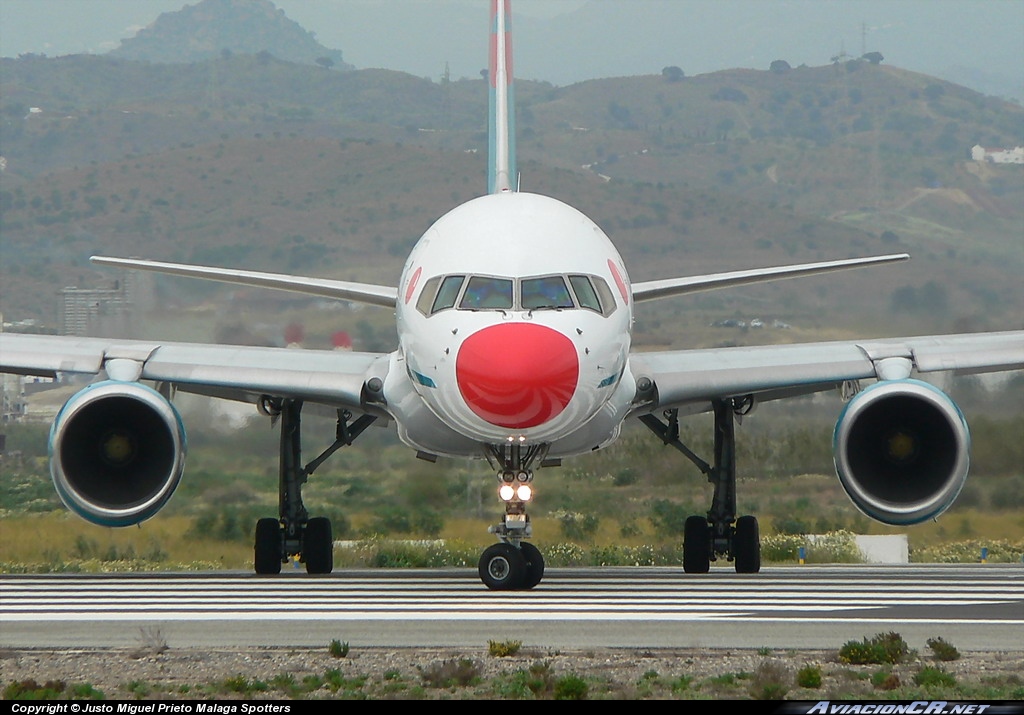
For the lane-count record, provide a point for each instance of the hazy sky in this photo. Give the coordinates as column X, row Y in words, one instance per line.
column 975, row 42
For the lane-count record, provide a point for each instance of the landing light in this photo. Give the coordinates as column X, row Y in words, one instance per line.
column 522, row 492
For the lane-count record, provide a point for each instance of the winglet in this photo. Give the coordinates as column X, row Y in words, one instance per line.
column 501, row 135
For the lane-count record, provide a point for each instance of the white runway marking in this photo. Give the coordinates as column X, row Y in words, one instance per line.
column 565, row 595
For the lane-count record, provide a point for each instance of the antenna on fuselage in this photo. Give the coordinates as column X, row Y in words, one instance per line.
column 501, row 133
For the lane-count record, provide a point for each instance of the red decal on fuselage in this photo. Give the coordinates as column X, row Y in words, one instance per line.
column 412, row 284
column 623, row 290
column 517, row 375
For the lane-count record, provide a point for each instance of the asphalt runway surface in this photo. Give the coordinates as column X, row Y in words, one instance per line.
column 977, row 607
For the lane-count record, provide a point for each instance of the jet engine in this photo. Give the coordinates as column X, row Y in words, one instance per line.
column 117, row 452
column 902, row 451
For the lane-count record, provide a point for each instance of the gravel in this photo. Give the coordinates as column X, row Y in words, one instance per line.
column 153, row 671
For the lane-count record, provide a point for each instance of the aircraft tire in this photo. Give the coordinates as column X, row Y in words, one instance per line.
column 534, row 564
column 746, row 545
column 502, row 567
column 267, row 559
column 318, row 546
column 696, row 545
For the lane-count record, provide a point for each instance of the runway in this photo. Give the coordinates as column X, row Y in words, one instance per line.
column 976, row 607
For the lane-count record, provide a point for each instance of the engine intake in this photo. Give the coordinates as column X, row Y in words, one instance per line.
column 902, row 451
column 117, row 452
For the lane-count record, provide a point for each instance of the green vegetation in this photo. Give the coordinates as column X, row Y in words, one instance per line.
column 528, row 675
column 881, row 648
column 503, row 649
column 771, row 681
column 618, row 507
column 932, row 677
column 943, row 650
column 809, row 676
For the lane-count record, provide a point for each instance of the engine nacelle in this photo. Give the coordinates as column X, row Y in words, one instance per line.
column 902, row 451
column 117, row 452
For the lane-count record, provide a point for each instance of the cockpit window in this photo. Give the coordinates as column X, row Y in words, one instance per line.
column 485, row 293
column 585, row 293
column 605, row 293
column 557, row 292
column 549, row 292
column 426, row 298
column 448, row 293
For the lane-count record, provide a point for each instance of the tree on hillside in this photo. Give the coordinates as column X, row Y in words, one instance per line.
column 779, row 67
column 672, row 74
column 874, row 58
column 325, row 62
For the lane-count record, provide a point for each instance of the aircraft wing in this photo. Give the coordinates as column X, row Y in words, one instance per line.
column 343, row 290
column 334, row 378
column 653, row 290
column 683, row 377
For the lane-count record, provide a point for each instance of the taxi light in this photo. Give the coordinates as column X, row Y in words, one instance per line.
column 524, row 492
column 507, row 492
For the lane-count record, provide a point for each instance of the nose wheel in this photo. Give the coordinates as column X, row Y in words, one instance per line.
column 505, row 567
column 502, row 567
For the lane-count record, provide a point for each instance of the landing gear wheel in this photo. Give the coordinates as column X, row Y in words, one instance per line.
column 502, row 567
column 318, row 546
column 746, row 545
column 534, row 564
column 696, row 545
column 268, row 547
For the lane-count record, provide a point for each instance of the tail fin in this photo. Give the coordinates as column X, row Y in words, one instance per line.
column 501, row 139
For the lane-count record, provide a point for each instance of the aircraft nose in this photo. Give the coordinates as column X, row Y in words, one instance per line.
column 517, row 375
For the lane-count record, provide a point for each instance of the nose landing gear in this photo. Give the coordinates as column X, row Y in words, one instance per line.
column 513, row 563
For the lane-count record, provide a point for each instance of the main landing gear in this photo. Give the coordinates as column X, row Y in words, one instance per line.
column 513, row 563
column 293, row 533
column 720, row 533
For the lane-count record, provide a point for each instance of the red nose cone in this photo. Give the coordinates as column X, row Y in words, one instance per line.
column 517, row 375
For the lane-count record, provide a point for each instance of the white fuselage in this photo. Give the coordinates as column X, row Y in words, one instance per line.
column 514, row 318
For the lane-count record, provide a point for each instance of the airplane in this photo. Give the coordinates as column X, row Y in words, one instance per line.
column 514, row 314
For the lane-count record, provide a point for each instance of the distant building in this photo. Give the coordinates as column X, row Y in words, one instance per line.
column 998, row 156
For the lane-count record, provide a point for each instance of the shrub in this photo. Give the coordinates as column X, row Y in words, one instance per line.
column 885, row 680
column 668, row 518
column 338, row 649
column 681, row 683
column 942, row 649
column 931, row 677
column 577, row 526
column 501, row 649
column 770, row 681
column 451, row 673
column 571, row 687
column 809, row 677
column 881, row 648
column 31, row 690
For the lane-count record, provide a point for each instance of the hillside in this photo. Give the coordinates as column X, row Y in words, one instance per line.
column 253, row 161
column 220, row 28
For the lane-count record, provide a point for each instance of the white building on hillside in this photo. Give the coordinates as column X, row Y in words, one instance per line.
column 998, row 156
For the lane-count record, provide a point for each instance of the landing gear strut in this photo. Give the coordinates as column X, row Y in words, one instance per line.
column 513, row 563
column 720, row 533
column 293, row 533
